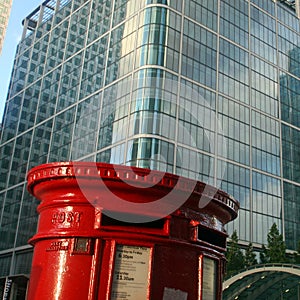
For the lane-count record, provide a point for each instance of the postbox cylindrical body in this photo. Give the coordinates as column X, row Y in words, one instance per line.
column 108, row 232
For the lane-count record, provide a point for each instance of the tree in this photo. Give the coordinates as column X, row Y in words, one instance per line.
column 262, row 255
column 275, row 250
column 234, row 255
column 296, row 256
column 250, row 257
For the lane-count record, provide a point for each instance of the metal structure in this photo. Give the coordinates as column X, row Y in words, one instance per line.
column 267, row 281
column 294, row 4
column 41, row 14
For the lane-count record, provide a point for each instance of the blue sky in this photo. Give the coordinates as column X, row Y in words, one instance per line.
column 20, row 9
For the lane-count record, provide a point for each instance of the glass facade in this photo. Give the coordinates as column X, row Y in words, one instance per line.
column 5, row 6
column 155, row 84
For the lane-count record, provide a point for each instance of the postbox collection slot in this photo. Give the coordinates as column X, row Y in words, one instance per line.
column 211, row 236
column 158, row 224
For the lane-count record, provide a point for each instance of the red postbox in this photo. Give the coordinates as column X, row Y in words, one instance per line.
column 117, row 232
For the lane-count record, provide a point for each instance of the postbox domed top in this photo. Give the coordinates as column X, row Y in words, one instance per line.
column 128, row 188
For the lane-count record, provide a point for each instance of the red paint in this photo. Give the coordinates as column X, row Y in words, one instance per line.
column 75, row 246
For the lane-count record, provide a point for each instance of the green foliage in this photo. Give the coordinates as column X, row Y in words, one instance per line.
column 275, row 250
column 250, row 257
column 262, row 256
column 296, row 258
column 234, row 256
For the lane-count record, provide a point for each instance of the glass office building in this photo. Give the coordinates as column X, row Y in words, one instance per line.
column 144, row 83
column 5, row 6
